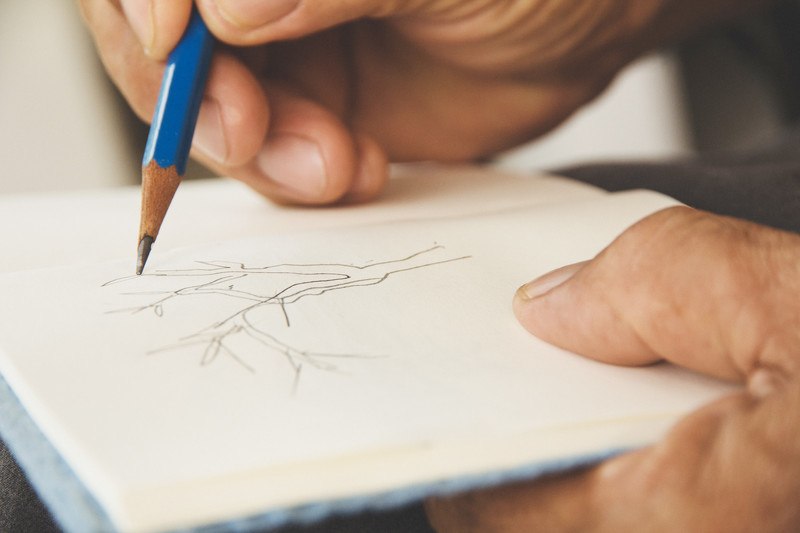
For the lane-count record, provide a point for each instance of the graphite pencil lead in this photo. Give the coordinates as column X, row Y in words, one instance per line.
column 144, row 252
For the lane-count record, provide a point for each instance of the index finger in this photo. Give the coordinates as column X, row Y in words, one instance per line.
column 250, row 22
column 158, row 24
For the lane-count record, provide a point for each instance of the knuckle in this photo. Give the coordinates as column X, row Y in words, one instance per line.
column 91, row 10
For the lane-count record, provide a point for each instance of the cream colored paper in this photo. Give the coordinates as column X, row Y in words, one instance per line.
column 87, row 227
column 263, row 373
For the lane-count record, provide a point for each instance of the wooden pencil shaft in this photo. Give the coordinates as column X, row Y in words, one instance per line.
column 158, row 188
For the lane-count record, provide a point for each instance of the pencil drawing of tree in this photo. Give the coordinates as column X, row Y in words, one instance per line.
column 256, row 288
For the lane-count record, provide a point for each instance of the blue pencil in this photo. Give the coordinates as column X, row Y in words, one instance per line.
column 171, row 132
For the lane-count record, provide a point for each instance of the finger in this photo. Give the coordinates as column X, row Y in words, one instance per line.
column 727, row 467
column 372, row 172
column 551, row 504
column 705, row 292
column 136, row 76
column 309, row 157
column 158, row 24
column 247, row 22
column 234, row 114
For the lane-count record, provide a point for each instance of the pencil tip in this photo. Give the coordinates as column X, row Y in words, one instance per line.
column 144, row 252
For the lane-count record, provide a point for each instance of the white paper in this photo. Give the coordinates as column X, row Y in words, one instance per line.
column 214, row 386
column 87, row 227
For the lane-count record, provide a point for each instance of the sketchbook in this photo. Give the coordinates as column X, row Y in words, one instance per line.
column 298, row 363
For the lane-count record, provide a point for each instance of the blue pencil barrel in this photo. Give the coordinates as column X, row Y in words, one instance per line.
column 179, row 101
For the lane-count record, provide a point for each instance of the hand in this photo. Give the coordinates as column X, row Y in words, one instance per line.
column 713, row 294
column 327, row 90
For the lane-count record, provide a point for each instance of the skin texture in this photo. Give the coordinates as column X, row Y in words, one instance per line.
column 313, row 97
column 713, row 294
column 308, row 102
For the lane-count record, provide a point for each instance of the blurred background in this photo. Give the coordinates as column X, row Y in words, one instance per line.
column 65, row 127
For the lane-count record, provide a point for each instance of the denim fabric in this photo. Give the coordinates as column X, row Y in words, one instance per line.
column 20, row 509
column 762, row 187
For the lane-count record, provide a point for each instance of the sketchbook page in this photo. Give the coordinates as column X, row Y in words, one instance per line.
column 243, row 376
column 91, row 226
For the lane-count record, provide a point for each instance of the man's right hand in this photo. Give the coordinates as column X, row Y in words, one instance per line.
column 313, row 96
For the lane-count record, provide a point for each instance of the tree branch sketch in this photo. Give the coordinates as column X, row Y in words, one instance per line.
column 254, row 288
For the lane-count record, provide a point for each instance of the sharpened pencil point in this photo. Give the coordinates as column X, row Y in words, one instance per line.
column 144, row 252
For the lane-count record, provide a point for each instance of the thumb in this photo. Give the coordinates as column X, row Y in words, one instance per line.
column 249, row 22
column 710, row 293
